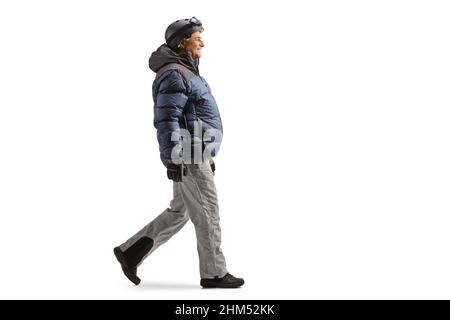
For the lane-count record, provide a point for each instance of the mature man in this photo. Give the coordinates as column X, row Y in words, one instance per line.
column 189, row 131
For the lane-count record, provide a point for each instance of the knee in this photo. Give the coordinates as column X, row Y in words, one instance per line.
column 178, row 214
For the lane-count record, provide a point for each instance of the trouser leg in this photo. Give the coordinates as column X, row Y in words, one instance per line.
column 164, row 226
column 200, row 199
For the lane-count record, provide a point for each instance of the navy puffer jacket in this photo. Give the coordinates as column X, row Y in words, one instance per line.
column 183, row 100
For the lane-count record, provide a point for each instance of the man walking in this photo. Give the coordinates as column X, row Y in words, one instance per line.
column 189, row 131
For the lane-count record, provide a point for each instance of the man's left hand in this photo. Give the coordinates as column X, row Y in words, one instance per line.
column 213, row 166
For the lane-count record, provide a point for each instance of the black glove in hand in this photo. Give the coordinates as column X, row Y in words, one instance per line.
column 213, row 166
column 175, row 172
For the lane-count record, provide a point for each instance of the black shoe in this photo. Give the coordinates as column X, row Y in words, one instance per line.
column 227, row 281
column 130, row 258
column 129, row 271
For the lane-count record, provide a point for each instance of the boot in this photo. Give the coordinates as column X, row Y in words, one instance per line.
column 227, row 281
column 130, row 258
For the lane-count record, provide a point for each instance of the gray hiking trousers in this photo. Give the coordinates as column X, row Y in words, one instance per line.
column 194, row 198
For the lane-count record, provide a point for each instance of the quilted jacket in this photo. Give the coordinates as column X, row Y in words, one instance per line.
column 183, row 100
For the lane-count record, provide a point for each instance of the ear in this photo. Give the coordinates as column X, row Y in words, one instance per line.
column 182, row 44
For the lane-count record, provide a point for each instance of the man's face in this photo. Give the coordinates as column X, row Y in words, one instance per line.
column 194, row 45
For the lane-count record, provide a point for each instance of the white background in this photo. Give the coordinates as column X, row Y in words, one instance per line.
column 333, row 176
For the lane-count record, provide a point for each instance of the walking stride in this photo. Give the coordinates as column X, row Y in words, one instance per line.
column 189, row 132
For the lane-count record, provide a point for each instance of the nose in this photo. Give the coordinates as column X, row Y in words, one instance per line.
column 202, row 44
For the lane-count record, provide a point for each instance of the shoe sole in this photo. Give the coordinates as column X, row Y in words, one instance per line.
column 121, row 259
column 225, row 286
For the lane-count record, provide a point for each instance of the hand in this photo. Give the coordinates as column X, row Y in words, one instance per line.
column 213, row 166
column 175, row 172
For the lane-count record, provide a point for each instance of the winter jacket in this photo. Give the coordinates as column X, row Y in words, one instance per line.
column 183, row 100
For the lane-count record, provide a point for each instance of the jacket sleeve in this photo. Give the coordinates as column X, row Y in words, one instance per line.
column 170, row 97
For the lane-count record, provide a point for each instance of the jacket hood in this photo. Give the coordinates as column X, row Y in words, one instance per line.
column 164, row 55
